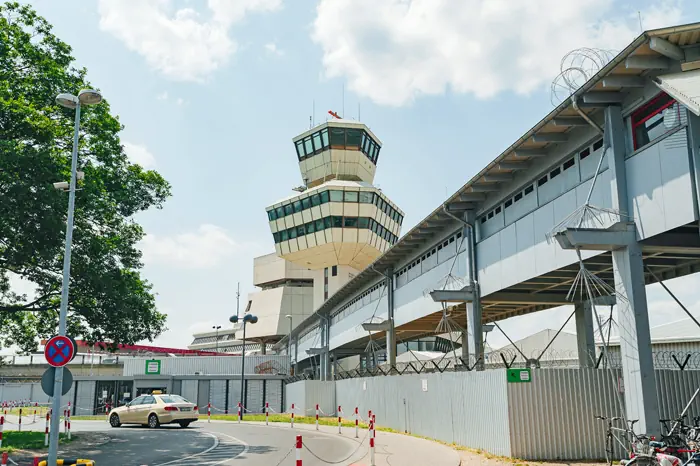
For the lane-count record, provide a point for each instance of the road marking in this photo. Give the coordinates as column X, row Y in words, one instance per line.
column 216, row 444
column 221, row 452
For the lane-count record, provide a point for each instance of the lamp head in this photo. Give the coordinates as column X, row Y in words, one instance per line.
column 67, row 100
column 89, row 97
column 233, row 319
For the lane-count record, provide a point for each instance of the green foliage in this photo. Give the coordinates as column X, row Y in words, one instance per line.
column 109, row 301
column 14, row 440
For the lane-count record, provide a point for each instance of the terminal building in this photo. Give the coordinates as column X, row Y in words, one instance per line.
column 334, row 226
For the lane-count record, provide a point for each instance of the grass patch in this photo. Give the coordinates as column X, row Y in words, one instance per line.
column 13, row 440
column 98, row 417
column 286, row 418
column 28, row 411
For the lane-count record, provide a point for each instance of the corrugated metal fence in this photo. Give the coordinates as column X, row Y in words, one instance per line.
column 550, row 418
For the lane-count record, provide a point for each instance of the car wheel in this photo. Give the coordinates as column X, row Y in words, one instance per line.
column 153, row 421
column 184, row 424
column 114, row 420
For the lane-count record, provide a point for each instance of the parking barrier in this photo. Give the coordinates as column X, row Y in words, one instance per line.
column 357, row 423
column 46, row 430
column 299, row 444
column 66, row 462
column 340, row 420
column 371, row 442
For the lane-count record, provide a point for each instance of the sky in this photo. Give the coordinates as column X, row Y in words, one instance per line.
column 212, row 92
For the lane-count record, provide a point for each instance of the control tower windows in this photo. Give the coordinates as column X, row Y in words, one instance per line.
column 325, row 197
column 351, row 196
column 317, row 141
column 305, row 203
column 335, row 221
column 337, row 138
column 336, row 196
column 366, row 197
column 353, row 139
column 288, row 209
column 316, row 200
column 297, row 206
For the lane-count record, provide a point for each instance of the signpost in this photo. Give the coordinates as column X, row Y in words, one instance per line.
column 59, row 351
column 153, row 367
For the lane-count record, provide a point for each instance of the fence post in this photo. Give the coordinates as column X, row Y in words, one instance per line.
column 46, row 431
column 299, row 443
column 357, row 423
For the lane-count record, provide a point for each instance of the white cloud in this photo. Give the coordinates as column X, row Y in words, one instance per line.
column 163, row 95
column 180, row 101
column 272, row 48
column 206, row 247
column 396, row 50
column 179, row 43
column 139, row 154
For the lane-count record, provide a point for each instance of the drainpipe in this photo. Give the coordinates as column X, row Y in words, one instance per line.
column 391, row 333
column 476, row 316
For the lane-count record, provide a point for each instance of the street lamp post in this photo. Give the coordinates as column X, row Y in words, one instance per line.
column 289, row 341
column 217, row 327
column 246, row 319
column 84, row 97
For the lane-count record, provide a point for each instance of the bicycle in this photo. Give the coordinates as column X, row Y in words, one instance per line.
column 640, row 451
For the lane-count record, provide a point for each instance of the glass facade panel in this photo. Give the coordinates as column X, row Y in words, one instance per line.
column 320, row 226
column 327, row 222
column 324, row 197
column 336, row 196
column 315, row 200
column 338, row 137
column 324, row 137
column 353, row 138
column 310, row 227
column 363, row 222
column 366, row 197
column 305, row 203
column 337, row 221
column 317, row 142
column 308, row 147
column 654, row 119
column 351, row 196
column 350, row 222
column 297, row 206
column 280, row 212
column 288, row 209
column 271, row 215
column 300, row 149
column 292, row 233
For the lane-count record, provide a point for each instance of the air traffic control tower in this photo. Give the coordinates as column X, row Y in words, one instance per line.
column 339, row 223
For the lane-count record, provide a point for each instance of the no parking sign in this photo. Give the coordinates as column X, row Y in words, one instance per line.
column 59, row 351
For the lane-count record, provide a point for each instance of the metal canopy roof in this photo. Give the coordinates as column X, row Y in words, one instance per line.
column 653, row 50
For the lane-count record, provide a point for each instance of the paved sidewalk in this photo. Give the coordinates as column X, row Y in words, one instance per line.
column 390, row 449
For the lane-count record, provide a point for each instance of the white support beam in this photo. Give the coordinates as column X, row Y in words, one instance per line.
column 666, row 48
column 602, row 98
column 550, row 137
column 532, row 153
column 496, row 177
column 475, row 197
column 624, row 81
column 569, row 121
column 647, row 62
column 513, row 165
column 452, row 296
column 526, row 298
column 485, row 188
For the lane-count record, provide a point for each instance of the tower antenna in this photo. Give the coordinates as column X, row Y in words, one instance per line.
column 238, row 296
column 343, row 99
column 313, row 111
column 359, row 113
column 641, row 28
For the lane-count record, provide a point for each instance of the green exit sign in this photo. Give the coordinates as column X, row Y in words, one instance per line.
column 519, row 375
column 152, row 367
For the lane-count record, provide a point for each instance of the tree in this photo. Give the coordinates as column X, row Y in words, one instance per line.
column 109, row 300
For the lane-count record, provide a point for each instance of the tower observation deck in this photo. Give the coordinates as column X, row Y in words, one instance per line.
column 338, row 223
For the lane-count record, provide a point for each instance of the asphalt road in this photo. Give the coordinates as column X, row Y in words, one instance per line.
column 208, row 444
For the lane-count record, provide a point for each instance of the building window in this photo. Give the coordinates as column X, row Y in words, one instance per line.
column 542, row 180
column 554, row 173
column 338, row 138
column 498, row 210
column 517, row 197
column 308, row 146
column 305, row 203
column 654, row 119
column 597, row 145
column 297, row 206
column 337, row 221
column 351, row 196
column 365, row 197
column 325, row 197
column 508, row 203
column 324, row 137
column 350, row 222
column 336, row 196
column 271, row 215
column 288, row 209
column 315, row 200
column 334, row 271
column 568, row 164
column 300, row 149
column 353, row 138
column 528, row 190
column 584, row 153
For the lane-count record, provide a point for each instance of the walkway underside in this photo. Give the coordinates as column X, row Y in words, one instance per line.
column 673, row 254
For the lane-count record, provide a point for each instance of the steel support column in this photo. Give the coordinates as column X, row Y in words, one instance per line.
column 327, row 352
column 391, row 333
column 474, row 312
column 635, row 340
column 585, row 334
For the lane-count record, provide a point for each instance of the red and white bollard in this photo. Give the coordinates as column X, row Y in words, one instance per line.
column 299, row 445
column 2, row 427
column 19, row 422
column 371, row 442
column 316, row 417
column 65, row 421
column 68, row 423
column 5, row 457
column 340, row 419
column 208, row 412
column 292, row 419
column 267, row 413
column 46, row 431
column 357, row 423
column 240, row 412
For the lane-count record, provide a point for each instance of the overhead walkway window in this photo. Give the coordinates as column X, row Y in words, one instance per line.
column 654, row 119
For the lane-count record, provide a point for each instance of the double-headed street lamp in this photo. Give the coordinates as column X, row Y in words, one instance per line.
column 248, row 318
column 84, row 97
column 216, row 327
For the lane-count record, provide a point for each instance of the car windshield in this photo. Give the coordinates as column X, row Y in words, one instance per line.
column 173, row 399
